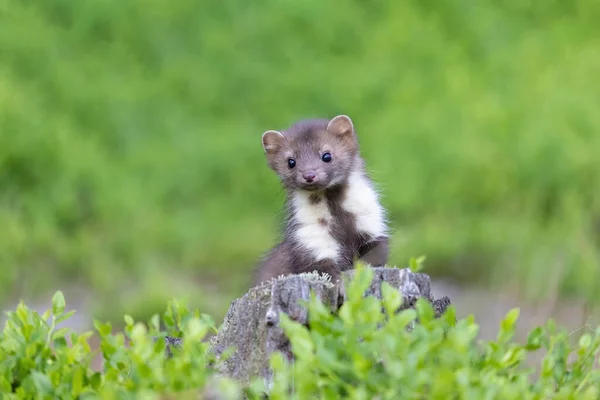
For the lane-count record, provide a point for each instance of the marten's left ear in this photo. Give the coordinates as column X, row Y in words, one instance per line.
column 272, row 141
column 342, row 125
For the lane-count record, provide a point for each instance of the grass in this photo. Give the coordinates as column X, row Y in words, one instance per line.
column 130, row 160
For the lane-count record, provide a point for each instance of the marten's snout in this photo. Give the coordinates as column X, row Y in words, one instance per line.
column 309, row 176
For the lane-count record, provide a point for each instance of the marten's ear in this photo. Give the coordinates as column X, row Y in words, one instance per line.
column 272, row 141
column 342, row 125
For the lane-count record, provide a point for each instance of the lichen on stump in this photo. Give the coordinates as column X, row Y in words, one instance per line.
column 251, row 326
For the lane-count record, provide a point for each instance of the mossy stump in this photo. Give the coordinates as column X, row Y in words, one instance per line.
column 251, row 325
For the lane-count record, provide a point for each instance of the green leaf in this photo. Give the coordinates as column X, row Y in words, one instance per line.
column 511, row 318
column 60, row 333
column 425, row 311
column 64, row 316
column 585, row 341
column 96, row 381
column 42, row 383
column 512, row 356
column 300, row 339
column 139, row 331
column 416, row 264
column 591, row 393
column 103, row 329
column 392, row 299
column 46, row 315
column 77, row 384
column 228, row 352
column 154, row 322
column 405, row 317
column 5, row 386
column 209, row 322
column 60, row 343
column 449, row 316
column 277, row 362
column 58, row 303
column 534, row 338
column 507, row 326
column 128, row 320
column 359, row 283
column 195, row 330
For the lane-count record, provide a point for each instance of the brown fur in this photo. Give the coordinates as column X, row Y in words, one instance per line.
column 305, row 142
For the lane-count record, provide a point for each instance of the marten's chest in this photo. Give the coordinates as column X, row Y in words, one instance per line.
column 334, row 225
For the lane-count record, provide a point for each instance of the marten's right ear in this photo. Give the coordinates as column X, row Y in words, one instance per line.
column 272, row 141
column 341, row 125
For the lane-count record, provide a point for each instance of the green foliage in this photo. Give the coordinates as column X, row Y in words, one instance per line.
column 367, row 353
column 130, row 152
column 368, row 350
column 38, row 361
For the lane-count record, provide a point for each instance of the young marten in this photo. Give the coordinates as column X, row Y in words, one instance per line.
column 333, row 214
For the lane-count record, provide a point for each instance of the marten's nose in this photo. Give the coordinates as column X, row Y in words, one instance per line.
column 309, row 176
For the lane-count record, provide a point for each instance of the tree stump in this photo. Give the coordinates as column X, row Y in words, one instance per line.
column 252, row 324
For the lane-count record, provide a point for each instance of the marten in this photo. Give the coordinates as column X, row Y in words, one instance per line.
column 333, row 211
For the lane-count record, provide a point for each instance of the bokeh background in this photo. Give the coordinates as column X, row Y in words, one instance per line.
column 131, row 169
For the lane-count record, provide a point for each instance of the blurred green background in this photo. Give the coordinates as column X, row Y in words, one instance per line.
column 131, row 169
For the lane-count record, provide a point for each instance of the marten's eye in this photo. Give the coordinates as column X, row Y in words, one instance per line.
column 291, row 163
column 326, row 157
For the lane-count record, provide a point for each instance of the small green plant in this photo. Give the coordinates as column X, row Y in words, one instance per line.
column 366, row 350
column 416, row 264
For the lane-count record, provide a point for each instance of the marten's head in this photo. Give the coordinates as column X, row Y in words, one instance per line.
column 312, row 154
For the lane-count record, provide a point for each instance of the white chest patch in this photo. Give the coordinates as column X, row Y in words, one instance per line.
column 311, row 233
column 363, row 202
